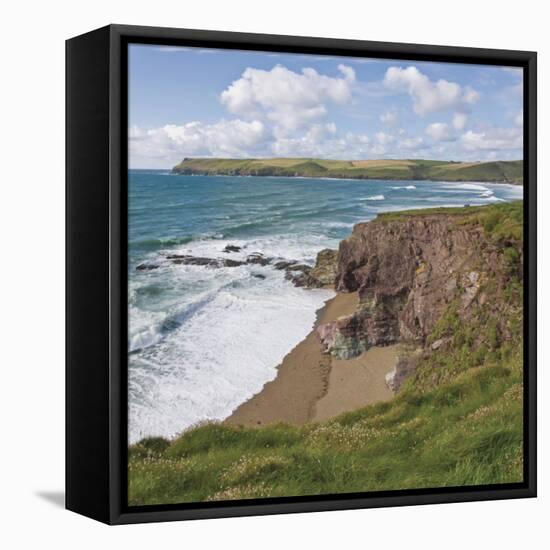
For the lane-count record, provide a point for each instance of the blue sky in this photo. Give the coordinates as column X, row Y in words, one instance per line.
column 192, row 102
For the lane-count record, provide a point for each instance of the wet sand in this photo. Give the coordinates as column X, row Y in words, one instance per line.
column 311, row 385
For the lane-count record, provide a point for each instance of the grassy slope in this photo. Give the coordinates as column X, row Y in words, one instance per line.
column 498, row 171
column 458, row 421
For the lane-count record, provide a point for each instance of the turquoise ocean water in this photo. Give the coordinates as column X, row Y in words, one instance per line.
column 204, row 340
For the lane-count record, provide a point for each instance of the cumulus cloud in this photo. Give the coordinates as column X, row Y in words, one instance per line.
column 493, row 139
column 412, row 143
column 429, row 96
column 440, row 131
column 281, row 112
column 459, row 121
column 470, row 96
column 320, row 140
column 384, row 139
column 173, row 142
column 288, row 99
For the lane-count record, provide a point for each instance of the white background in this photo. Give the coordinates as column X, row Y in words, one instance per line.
column 32, row 273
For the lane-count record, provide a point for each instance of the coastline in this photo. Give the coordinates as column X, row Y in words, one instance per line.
column 372, row 169
column 311, row 385
column 172, row 172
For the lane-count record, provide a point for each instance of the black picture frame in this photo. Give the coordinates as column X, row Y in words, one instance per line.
column 96, row 274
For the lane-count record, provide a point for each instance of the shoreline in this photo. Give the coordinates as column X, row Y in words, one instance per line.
column 312, row 386
column 171, row 172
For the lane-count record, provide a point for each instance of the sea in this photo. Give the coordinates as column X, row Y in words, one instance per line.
column 203, row 340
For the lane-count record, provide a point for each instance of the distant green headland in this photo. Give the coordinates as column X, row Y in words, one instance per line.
column 495, row 171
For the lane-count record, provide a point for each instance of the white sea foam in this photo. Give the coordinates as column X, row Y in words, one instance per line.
column 215, row 336
column 340, row 225
column 492, row 198
column 405, row 187
column 373, row 198
column 466, row 186
column 221, row 353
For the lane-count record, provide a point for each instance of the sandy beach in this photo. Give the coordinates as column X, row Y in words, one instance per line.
column 354, row 383
column 313, row 386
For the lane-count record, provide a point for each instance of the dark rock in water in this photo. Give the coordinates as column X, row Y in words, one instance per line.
column 257, row 258
column 192, row 260
column 207, row 262
column 147, row 266
column 302, row 278
column 284, row 264
column 303, row 275
column 299, row 267
column 299, row 274
column 326, row 266
column 258, row 276
column 231, row 263
column 232, row 248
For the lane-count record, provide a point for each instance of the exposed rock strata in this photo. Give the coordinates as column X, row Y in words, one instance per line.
column 325, row 266
column 407, row 271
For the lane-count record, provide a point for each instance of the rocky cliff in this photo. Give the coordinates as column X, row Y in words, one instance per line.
column 417, row 271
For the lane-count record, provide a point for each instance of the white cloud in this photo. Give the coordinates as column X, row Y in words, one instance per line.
column 348, row 72
column 459, row 121
column 319, row 140
column 518, row 119
column 323, row 140
column 288, row 99
column 495, row 139
column 470, row 96
column 171, row 143
column 384, row 139
column 280, row 112
column 389, row 118
column 440, row 131
column 429, row 96
column 412, row 143
column 135, row 132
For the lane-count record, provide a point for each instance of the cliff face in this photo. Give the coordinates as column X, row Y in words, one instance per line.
column 411, row 270
column 406, row 272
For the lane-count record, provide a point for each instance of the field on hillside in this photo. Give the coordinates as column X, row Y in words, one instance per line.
column 498, row 171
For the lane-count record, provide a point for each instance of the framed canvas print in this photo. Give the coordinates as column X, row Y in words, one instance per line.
column 300, row 274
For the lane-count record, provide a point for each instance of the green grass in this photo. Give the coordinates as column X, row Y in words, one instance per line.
column 458, row 421
column 498, row 171
column 500, row 222
column 466, row 432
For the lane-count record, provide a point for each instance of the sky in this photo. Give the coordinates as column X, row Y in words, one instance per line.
column 196, row 102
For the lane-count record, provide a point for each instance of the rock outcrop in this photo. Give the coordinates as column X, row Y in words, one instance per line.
column 408, row 269
column 325, row 267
